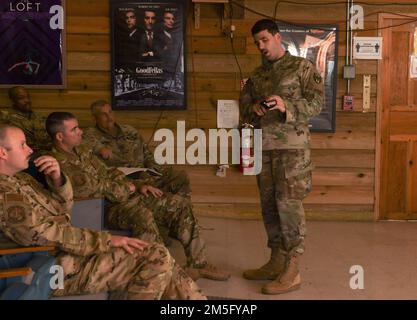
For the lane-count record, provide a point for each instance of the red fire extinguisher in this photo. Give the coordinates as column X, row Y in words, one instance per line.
column 246, row 148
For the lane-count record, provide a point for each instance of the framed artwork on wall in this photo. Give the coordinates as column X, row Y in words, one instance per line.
column 32, row 43
column 318, row 43
column 148, row 61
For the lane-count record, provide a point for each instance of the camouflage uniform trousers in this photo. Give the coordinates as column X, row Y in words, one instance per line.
column 284, row 182
column 173, row 181
column 148, row 274
column 145, row 215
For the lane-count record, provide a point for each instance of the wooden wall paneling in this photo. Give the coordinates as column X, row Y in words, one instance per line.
column 211, row 81
column 358, row 120
column 291, row 12
column 88, row 42
column 343, row 160
column 88, row 8
column 87, row 25
column 319, row 195
column 358, row 140
column 88, row 61
column 218, row 44
column 88, row 80
column 206, row 175
column 313, row 212
column 222, row 63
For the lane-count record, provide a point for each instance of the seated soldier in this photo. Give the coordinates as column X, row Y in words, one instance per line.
column 122, row 146
column 92, row 261
column 134, row 205
column 22, row 116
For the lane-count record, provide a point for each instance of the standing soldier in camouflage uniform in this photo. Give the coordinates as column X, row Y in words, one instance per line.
column 22, row 116
column 293, row 90
column 123, row 146
column 92, row 261
column 134, row 205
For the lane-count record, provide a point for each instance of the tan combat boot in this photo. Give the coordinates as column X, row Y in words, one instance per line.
column 207, row 271
column 269, row 271
column 290, row 280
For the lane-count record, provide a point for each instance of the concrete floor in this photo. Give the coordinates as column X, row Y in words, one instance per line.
column 385, row 250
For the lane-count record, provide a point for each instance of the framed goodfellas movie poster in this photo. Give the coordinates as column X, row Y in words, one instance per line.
column 148, row 59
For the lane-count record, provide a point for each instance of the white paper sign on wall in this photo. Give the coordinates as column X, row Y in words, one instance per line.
column 367, row 48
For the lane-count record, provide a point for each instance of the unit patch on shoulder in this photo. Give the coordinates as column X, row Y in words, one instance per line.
column 14, row 197
column 16, row 214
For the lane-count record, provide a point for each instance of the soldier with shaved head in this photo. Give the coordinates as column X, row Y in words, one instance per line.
column 93, row 261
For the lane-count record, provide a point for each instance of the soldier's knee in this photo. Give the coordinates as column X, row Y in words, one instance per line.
column 178, row 201
column 141, row 217
column 159, row 255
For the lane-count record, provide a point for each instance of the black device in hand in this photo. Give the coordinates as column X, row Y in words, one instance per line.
column 34, row 172
column 268, row 104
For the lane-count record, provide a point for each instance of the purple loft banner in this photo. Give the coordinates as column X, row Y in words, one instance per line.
column 32, row 43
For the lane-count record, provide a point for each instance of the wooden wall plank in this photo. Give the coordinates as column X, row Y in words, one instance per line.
column 206, row 176
column 85, row 25
column 217, row 45
column 88, row 61
column 319, row 195
column 88, row 42
column 88, row 8
column 313, row 212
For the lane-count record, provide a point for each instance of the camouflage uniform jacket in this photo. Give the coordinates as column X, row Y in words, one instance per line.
column 32, row 124
column 33, row 215
column 91, row 177
column 299, row 85
column 128, row 147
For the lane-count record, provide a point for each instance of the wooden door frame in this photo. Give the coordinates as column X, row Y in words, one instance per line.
column 383, row 83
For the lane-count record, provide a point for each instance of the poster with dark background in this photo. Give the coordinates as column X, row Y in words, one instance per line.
column 319, row 45
column 32, row 43
column 148, row 55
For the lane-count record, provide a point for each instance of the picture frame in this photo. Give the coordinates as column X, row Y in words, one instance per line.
column 148, row 55
column 319, row 44
column 33, row 44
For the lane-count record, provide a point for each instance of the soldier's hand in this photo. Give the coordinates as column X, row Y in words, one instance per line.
column 280, row 104
column 157, row 193
column 132, row 187
column 50, row 167
column 259, row 110
column 106, row 153
column 129, row 244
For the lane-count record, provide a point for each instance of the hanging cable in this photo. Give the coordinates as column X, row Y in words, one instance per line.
column 232, row 43
column 276, row 9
